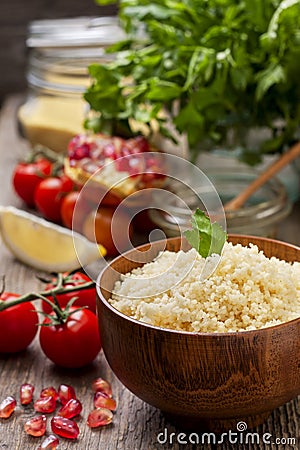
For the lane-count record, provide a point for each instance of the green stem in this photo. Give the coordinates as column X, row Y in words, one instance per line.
column 61, row 314
column 49, row 154
column 58, row 289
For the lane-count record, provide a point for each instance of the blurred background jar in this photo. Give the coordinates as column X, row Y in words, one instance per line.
column 260, row 216
column 60, row 52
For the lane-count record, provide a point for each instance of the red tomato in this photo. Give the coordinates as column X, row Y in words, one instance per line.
column 67, row 210
column 95, row 192
column 27, row 176
column 73, row 344
column 114, row 233
column 49, row 195
column 86, row 297
column 142, row 222
column 18, row 325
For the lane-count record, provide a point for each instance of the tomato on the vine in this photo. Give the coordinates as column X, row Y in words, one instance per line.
column 74, row 343
column 18, row 325
column 69, row 219
column 86, row 297
column 27, row 176
column 110, row 227
column 49, row 195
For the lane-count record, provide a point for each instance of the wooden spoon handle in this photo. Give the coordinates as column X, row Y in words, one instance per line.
column 275, row 167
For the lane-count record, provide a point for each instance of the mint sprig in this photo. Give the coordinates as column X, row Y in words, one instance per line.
column 206, row 237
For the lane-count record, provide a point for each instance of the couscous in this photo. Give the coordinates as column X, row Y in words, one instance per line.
column 246, row 291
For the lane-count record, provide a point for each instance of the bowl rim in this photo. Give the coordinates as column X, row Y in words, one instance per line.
column 191, row 333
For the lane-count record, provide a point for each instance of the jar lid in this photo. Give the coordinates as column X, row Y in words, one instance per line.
column 74, row 32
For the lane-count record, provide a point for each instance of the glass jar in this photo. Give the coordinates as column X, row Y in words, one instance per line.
column 260, row 216
column 60, row 52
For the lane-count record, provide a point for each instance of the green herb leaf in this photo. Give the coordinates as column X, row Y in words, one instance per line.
column 105, row 2
column 272, row 75
column 206, row 237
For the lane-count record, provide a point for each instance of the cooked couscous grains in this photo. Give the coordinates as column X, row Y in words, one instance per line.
column 247, row 291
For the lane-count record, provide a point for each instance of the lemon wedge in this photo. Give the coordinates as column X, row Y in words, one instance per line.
column 45, row 245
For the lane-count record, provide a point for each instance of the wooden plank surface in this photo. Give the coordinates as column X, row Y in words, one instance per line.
column 136, row 425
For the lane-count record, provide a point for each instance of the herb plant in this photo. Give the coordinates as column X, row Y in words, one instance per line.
column 208, row 66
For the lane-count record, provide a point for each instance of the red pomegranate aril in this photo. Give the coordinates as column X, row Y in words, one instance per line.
column 45, row 405
column 99, row 417
column 125, row 151
column 49, row 391
column 26, row 393
column 36, row 426
column 80, row 147
column 122, row 165
column 103, row 401
column 7, row 407
column 71, row 409
column 82, row 152
column 65, row 393
column 100, row 385
column 63, row 427
column 109, row 151
column 141, row 143
column 50, row 443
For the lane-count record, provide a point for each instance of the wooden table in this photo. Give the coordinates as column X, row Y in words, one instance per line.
column 136, row 425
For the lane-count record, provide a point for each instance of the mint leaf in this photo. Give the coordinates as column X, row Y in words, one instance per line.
column 218, row 239
column 206, row 237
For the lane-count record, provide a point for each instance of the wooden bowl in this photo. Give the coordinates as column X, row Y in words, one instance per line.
column 207, row 381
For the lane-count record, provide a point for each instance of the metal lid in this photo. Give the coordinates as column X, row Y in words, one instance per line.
column 74, row 32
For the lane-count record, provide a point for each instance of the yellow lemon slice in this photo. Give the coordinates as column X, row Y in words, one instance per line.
column 45, row 245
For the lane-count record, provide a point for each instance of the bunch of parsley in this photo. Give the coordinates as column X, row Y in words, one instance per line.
column 211, row 65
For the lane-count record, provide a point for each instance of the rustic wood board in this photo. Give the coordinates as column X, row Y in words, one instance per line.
column 136, row 425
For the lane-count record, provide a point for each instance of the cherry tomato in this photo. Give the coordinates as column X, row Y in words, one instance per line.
column 73, row 344
column 27, row 176
column 142, row 222
column 70, row 220
column 112, row 231
column 95, row 192
column 86, row 297
column 49, row 195
column 18, row 325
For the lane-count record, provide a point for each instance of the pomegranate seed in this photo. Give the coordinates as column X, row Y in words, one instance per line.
column 125, row 151
column 65, row 393
column 80, row 147
column 75, row 141
column 50, row 443
column 99, row 417
column 7, row 407
column 109, row 151
column 83, row 151
column 49, row 391
column 71, row 409
column 45, row 405
column 103, row 401
column 100, row 385
column 141, row 143
column 36, row 426
column 122, row 164
column 26, row 393
column 64, row 427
